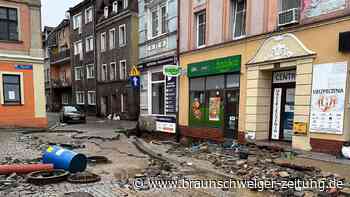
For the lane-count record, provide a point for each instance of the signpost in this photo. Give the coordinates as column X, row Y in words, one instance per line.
column 135, row 77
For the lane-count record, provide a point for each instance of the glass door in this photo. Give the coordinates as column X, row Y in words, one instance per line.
column 231, row 114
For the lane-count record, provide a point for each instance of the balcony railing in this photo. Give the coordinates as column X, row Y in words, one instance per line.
column 60, row 56
column 61, row 83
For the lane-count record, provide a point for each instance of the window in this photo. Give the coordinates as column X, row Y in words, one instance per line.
column 239, row 17
column 125, row 4
column 207, row 99
column 158, row 93
column 113, row 71
column 123, row 103
column 201, row 28
column 122, row 35
column 115, row 6
column 8, row 24
column 77, row 21
column 164, row 19
column 103, row 42
column 90, row 71
column 155, row 23
column 80, row 97
column 91, row 97
column 288, row 4
column 88, row 15
column 65, row 99
column 79, row 73
column 89, row 44
column 123, row 70
column 112, row 38
column 12, row 89
column 78, row 48
column 104, row 72
column 105, row 13
column 159, row 20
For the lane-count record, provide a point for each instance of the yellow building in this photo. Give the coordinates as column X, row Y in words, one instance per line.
column 293, row 86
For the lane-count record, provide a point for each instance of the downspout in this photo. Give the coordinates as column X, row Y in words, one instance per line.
column 178, row 132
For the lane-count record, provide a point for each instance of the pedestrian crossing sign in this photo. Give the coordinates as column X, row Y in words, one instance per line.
column 134, row 72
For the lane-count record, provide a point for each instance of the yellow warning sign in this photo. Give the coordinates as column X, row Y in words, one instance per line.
column 49, row 149
column 134, row 72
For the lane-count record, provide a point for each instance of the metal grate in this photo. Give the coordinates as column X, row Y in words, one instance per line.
column 288, row 17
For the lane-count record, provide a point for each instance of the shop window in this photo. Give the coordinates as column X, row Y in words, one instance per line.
column 8, row 24
column 12, row 89
column 207, row 99
column 123, row 103
column 144, row 94
column 158, row 92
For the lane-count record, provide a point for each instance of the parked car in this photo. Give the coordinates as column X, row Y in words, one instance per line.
column 72, row 114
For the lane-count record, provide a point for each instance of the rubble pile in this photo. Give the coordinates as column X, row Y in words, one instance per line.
column 264, row 163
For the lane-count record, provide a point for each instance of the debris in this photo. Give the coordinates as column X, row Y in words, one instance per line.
column 24, row 168
column 45, row 177
column 65, row 159
column 77, row 194
column 296, row 167
column 84, row 177
column 283, row 174
column 98, row 160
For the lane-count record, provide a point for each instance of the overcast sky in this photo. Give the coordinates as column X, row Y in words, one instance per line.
column 53, row 11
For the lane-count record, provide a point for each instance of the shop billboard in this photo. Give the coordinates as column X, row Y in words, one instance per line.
column 328, row 98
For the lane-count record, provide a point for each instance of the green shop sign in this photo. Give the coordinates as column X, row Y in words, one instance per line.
column 172, row 71
column 215, row 66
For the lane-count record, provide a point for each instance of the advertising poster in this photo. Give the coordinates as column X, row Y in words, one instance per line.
column 196, row 109
column 313, row 8
column 328, row 98
column 214, row 108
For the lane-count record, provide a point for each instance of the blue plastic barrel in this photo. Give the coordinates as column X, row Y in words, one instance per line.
column 65, row 159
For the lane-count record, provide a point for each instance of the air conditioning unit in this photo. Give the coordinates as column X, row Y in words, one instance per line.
column 287, row 17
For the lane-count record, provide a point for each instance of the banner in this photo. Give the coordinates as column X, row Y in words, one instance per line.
column 328, row 98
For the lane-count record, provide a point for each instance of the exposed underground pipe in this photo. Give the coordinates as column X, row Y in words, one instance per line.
column 24, row 168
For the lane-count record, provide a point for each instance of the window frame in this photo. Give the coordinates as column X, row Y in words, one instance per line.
column 89, row 97
column 19, row 84
column 161, row 21
column 87, row 19
column 197, row 15
column 103, row 42
column 78, row 50
column 151, row 90
column 113, row 66
column 106, row 11
column 75, row 24
column 77, row 97
column 122, row 34
column 78, row 75
column 88, row 68
column 234, row 18
column 120, row 70
column 8, row 21
column 104, row 73
column 111, row 45
column 89, row 41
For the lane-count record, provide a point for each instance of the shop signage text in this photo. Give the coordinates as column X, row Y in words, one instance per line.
column 276, row 114
column 300, row 128
column 284, row 76
column 215, row 66
column 166, row 124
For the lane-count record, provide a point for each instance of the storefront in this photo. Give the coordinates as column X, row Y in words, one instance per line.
column 293, row 96
column 214, row 91
column 158, row 96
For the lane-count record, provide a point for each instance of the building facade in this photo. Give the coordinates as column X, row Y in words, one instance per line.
column 158, row 49
column 117, row 52
column 22, row 96
column 45, row 35
column 82, row 38
column 263, row 70
column 60, row 76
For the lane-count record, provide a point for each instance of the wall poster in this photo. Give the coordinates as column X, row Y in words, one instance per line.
column 328, row 98
column 313, row 8
column 214, row 108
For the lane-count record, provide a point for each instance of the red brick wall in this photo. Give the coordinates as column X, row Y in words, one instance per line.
column 326, row 146
column 203, row 133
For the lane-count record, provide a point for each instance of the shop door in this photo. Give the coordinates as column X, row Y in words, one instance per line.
column 283, row 112
column 231, row 114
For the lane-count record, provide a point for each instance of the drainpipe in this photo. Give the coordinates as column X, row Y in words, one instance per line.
column 178, row 132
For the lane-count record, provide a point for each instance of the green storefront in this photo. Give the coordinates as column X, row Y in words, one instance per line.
column 214, row 94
